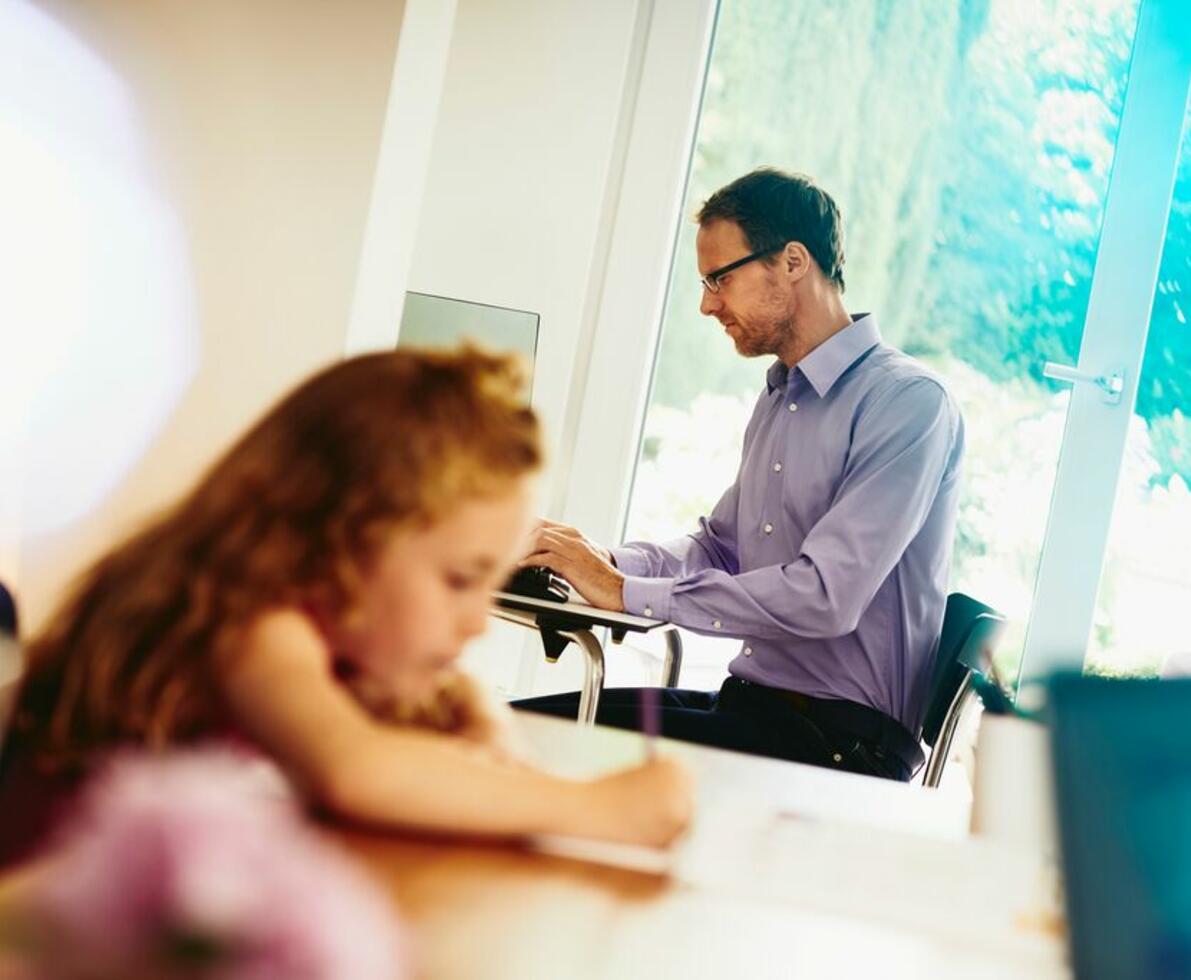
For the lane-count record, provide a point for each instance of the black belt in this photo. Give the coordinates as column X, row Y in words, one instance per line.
column 857, row 720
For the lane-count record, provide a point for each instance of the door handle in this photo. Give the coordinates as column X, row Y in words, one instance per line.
column 1112, row 385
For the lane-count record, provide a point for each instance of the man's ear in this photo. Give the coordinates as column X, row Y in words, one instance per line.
column 796, row 261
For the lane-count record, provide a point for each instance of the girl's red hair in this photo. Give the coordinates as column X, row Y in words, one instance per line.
column 290, row 514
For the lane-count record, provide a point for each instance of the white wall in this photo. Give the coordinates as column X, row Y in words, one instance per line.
column 526, row 195
column 519, row 202
column 516, row 199
column 402, row 163
column 647, row 222
column 205, row 171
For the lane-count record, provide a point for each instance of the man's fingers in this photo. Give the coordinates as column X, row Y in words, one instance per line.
column 547, row 537
column 558, row 543
column 561, row 539
column 569, row 555
column 547, row 559
column 564, row 529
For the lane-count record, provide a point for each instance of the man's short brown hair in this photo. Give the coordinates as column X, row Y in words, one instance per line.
column 773, row 207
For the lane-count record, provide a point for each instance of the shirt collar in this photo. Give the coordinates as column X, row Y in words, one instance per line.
column 826, row 364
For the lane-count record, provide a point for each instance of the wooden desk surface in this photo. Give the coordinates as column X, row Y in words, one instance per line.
column 801, row 897
column 492, row 911
column 826, row 882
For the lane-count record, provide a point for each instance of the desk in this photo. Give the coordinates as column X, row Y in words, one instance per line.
column 562, row 622
column 836, row 887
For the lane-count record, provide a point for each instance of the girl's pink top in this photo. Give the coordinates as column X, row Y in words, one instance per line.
column 33, row 801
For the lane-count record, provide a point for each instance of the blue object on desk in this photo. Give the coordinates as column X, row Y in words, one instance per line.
column 1122, row 763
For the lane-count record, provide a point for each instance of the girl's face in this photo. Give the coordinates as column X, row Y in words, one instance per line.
column 429, row 592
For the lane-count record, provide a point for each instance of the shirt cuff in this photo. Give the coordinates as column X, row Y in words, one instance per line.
column 630, row 561
column 649, row 597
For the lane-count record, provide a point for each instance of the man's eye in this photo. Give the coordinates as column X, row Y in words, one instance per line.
column 461, row 583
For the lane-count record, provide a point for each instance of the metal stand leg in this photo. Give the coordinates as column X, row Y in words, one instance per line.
column 593, row 673
column 673, row 665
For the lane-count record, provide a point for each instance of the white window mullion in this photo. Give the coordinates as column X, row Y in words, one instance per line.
column 648, row 212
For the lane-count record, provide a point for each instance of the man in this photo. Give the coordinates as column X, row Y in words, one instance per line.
column 829, row 555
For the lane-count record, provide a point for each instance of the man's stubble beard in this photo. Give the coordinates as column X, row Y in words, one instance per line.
column 770, row 344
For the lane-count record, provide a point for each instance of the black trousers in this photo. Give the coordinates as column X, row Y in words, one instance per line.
column 747, row 717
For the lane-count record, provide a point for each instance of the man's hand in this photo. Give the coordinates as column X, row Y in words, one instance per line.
column 586, row 565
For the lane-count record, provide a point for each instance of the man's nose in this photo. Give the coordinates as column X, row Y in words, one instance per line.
column 710, row 302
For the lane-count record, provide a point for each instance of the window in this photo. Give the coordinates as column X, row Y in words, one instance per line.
column 969, row 147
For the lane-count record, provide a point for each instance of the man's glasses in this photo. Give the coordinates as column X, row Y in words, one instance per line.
column 711, row 281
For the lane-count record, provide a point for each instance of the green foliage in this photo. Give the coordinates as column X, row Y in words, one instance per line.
column 1165, row 391
column 969, row 147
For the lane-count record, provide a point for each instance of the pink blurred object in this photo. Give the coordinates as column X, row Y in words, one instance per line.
column 185, row 865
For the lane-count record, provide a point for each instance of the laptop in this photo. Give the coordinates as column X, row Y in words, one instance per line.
column 1122, row 762
column 443, row 322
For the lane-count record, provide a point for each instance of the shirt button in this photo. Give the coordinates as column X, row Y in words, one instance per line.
column 768, row 529
column 717, row 624
column 748, row 651
column 649, row 610
column 793, row 407
column 777, row 467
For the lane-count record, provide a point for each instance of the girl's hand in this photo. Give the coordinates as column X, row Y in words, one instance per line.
column 651, row 804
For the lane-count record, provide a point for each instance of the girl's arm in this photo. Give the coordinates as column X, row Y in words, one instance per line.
column 281, row 693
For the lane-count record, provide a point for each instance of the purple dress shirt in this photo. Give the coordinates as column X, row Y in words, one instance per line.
column 829, row 554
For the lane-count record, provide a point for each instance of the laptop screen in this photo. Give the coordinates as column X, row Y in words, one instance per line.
column 1122, row 758
column 440, row 321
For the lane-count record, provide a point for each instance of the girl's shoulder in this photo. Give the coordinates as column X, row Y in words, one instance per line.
column 284, row 636
column 285, row 624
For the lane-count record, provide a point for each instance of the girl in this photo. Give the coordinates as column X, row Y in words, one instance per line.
column 311, row 596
